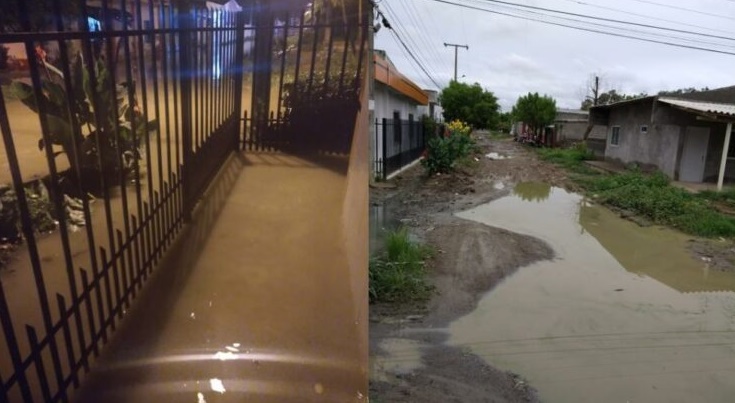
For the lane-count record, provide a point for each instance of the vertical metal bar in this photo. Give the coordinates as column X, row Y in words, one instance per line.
column 135, row 268
column 144, row 96
column 156, row 102
column 385, row 148
column 119, row 148
column 96, row 106
column 38, row 360
column 87, row 296
column 299, row 44
column 105, row 278
column 6, row 323
column 317, row 22
column 286, row 27
column 186, row 101
column 176, row 80
column 363, row 42
column 117, row 306
column 194, row 69
column 330, row 49
column 348, row 32
column 147, row 266
column 208, row 61
column 80, row 188
column 238, row 70
column 165, row 70
column 57, row 197
column 61, row 302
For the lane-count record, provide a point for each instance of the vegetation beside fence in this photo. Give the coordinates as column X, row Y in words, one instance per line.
column 398, row 273
column 445, row 152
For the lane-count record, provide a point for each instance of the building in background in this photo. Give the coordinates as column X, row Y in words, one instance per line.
column 399, row 138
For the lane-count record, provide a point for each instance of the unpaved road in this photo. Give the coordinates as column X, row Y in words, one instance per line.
column 411, row 363
column 410, row 360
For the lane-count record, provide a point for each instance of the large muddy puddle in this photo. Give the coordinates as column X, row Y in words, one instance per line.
column 621, row 314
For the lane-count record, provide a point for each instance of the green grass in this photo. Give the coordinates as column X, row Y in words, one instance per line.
column 649, row 195
column 569, row 158
column 398, row 274
column 653, row 197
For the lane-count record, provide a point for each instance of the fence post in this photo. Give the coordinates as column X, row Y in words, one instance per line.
column 186, row 67
column 239, row 62
column 385, row 148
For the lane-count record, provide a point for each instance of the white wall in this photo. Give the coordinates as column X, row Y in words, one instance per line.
column 388, row 101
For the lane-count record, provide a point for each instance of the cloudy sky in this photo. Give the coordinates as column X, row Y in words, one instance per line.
column 511, row 56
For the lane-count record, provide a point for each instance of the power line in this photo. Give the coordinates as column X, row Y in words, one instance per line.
column 628, row 31
column 398, row 30
column 682, row 31
column 423, row 31
column 408, row 50
column 402, row 31
column 619, row 10
column 588, row 29
column 690, row 10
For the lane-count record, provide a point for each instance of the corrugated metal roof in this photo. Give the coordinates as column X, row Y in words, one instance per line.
column 701, row 106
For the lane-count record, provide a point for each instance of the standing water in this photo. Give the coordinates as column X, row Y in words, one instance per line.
column 621, row 314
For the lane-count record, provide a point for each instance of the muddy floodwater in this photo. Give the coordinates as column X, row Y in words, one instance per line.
column 621, row 314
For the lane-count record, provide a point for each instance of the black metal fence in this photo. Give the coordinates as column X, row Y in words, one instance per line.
column 125, row 112
column 398, row 143
column 314, row 59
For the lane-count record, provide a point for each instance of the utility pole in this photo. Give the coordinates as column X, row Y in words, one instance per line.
column 455, row 55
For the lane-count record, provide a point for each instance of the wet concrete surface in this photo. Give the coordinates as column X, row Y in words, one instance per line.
column 620, row 314
column 254, row 303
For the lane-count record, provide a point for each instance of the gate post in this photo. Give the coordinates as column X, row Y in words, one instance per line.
column 385, row 148
column 239, row 66
column 261, row 71
column 186, row 66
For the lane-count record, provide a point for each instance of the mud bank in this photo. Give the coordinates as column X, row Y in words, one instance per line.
column 410, row 358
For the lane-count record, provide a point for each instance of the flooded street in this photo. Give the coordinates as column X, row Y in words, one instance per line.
column 621, row 314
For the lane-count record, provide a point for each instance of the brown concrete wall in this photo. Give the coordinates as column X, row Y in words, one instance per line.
column 355, row 230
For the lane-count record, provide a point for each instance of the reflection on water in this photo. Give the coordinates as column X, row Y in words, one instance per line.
column 532, row 191
column 617, row 316
column 382, row 220
column 653, row 251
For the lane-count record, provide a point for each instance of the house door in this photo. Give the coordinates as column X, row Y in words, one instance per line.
column 694, row 154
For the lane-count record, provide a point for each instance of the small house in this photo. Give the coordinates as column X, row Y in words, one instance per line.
column 686, row 137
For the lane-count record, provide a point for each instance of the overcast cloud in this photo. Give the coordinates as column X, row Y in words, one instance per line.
column 512, row 57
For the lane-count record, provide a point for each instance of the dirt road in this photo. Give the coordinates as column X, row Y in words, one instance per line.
column 410, row 362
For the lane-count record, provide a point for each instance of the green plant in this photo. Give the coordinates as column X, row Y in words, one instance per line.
column 571, row 158
column 398, row 274
column 443, row 152
column 653, row 197
column 94, row 120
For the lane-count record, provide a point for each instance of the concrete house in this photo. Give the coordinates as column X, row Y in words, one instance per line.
column 687, row 137
column 434, row 108
column 398, row 104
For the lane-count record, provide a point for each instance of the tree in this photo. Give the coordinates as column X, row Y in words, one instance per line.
column 535, row 110
column 611, row 97
column 471, row 104
column 681, row 91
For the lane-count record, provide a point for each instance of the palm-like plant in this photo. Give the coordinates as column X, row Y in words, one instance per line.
column 98, row 125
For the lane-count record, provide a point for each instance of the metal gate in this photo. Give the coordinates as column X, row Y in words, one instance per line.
column 114, row 118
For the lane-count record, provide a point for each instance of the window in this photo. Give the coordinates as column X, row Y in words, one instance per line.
column 615, row 136
column 644, row 129
column 731, row 149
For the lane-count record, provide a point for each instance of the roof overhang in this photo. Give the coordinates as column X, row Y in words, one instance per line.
column 386, row 73
column 713, row 111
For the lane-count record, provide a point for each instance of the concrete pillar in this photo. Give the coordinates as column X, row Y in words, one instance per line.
column 723, row 161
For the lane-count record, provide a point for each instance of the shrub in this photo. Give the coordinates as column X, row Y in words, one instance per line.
column 398, row 274
column 443, row 152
